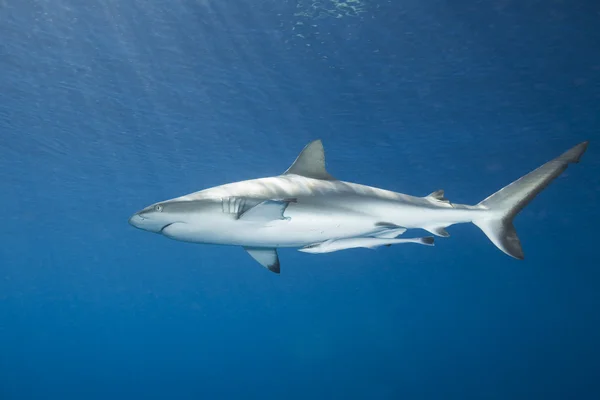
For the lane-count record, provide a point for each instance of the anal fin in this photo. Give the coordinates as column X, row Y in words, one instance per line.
column 437, row 230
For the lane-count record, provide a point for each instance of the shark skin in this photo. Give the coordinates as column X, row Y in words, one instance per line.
column 306, row 206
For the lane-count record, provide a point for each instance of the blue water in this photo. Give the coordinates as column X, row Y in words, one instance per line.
column 106, row 107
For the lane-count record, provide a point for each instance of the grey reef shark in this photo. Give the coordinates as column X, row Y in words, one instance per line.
column 308, row 209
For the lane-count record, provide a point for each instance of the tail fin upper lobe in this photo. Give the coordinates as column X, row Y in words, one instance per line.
column 506, row 203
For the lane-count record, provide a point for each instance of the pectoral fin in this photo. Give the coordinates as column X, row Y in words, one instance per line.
column 267, row 210
column 266, row 257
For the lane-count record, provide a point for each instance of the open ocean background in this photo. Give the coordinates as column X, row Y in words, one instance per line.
column 106, row 107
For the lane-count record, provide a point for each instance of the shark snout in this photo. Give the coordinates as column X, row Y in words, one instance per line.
column 146, row 224
column 137, row 221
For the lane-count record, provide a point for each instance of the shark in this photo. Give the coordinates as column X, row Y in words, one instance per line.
column 306, row 208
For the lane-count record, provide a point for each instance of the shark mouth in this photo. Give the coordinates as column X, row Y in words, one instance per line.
column 166, row 226
column 163, row 230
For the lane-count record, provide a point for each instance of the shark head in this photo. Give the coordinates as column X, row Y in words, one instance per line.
column 178, row 219
column 156, row 217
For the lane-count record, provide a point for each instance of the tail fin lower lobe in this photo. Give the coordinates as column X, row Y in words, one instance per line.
column 506, row 203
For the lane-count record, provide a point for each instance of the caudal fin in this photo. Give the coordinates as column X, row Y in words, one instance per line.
column 506, row 203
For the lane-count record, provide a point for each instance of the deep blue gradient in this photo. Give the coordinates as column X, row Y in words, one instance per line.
column 106, row 107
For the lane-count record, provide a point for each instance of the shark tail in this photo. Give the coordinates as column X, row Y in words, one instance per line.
column 506, row 203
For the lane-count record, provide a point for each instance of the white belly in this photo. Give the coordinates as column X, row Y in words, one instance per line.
column 301, row 228
column 311, row 220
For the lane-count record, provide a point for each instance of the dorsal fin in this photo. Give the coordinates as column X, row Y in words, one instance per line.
column 438, row 197
column 311, row 162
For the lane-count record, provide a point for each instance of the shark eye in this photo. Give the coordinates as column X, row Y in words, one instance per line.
column 158, row 207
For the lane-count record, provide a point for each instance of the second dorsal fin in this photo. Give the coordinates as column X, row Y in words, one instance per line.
column 438, row 197
column 311, row 162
